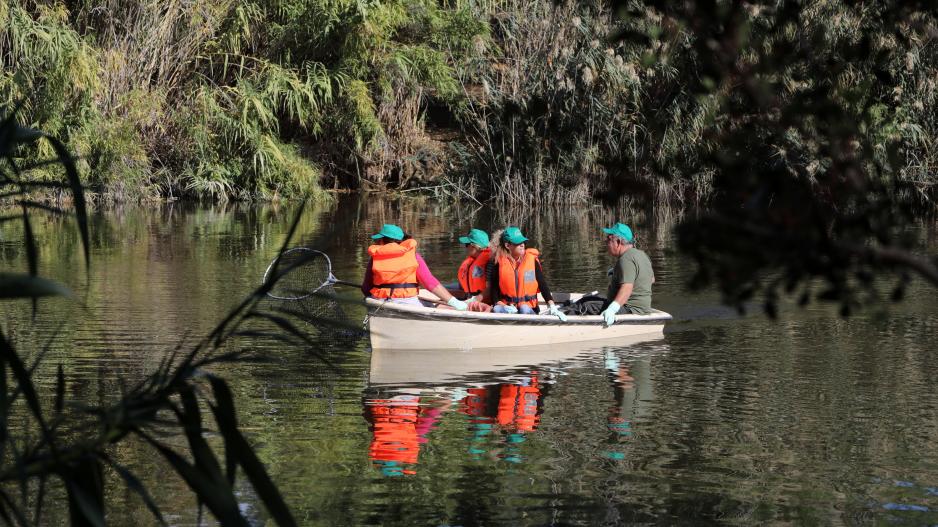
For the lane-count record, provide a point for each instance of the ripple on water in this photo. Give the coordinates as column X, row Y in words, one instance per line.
column 729, row 418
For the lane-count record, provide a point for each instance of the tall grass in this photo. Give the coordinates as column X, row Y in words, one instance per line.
column 535, row 101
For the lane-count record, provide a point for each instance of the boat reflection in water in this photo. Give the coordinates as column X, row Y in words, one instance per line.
column 501, row 393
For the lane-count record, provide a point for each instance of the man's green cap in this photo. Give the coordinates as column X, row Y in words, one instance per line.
column 476, row 237
column 513, row 235
column 622, row 231
column 391, row 231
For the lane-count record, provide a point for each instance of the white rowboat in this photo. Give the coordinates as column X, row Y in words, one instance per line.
column 404, row 326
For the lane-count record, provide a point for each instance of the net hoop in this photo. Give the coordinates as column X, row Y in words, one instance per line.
column 310, row 256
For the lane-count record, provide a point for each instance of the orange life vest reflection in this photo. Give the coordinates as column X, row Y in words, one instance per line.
column 516, row 408
column 510, row 408
column 399, row 426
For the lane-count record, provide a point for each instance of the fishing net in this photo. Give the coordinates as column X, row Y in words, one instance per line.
column 299, row 273
column 305, row 289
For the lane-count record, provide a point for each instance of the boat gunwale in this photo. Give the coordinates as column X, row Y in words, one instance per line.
column 382, row 308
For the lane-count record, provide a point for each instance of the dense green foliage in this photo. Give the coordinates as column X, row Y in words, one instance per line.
column 228, row 98
column 262, row 99
column 821, row 143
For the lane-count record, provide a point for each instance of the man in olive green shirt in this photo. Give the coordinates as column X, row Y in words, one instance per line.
column 632, row 276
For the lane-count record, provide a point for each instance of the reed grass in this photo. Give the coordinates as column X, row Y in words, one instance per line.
column 512, row 101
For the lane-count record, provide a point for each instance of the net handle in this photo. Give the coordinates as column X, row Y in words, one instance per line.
column 330, row 278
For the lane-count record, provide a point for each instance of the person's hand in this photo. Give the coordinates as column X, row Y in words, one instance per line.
column 554, row 310
column 511, row 310
column 480, row 307
column 457, row 304
column 609, row 314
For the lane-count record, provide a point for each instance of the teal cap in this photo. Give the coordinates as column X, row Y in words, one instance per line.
column 513, row 235
column 476, row 237
column 389, row 230
column 622, row 231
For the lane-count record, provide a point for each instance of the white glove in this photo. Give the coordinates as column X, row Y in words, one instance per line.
column 457, row 304
column 554, row 310
column 609, row 314
column 511, row 310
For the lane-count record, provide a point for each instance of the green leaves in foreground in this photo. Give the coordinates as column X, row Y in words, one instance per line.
column 72, row 445
column 15, row 285
column 66, row 445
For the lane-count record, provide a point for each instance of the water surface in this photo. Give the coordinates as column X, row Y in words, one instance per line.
column 726, row 418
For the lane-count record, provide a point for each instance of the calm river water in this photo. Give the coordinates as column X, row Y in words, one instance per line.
column 726, row 419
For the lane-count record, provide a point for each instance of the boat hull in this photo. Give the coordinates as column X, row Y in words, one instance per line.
column 399, row 326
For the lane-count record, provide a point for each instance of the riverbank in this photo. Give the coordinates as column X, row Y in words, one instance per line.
column 509, row 101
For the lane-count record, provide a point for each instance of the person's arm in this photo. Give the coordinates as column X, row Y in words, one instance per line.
column 441, row 292
column 623, row 294
column 492, row 291
column 425, row 278
column 542, row 283
column 367, row 281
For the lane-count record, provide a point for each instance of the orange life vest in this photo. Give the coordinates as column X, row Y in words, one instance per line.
column 517, row 406
column 394, row 270
column 518, row 285
column 472, row 272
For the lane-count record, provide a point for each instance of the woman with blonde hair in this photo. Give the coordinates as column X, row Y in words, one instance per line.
column 515, row 276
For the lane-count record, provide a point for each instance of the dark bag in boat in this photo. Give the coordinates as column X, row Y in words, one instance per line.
column 587, row 305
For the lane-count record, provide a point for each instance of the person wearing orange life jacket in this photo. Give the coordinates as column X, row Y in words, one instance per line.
column 472, row 272
column 396, row 271
column 515, row 278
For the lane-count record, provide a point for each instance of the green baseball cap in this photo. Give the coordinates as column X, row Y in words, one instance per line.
column 476, row 237
column 513, row 235
column 389, row 230
column 622, row 231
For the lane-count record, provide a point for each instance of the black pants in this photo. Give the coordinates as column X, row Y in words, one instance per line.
column 591, row 305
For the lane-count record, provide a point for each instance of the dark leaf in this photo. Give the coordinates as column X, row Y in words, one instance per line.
column 135, row 485
column 253, row 468
column 85, row 487
column 218, row 498
column 15, row 285
column 9, row 510
column 191, row 418
column 23, row 381
column 78, row 194
column 59, row 391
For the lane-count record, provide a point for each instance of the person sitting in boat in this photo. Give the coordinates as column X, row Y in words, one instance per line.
column 472, row 272
column 515, row 278
column 396, row 271
column 631, row 277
